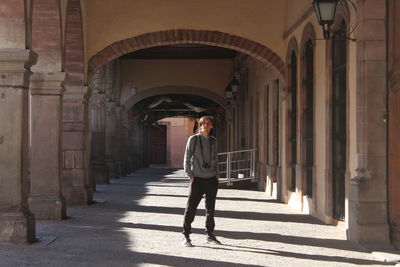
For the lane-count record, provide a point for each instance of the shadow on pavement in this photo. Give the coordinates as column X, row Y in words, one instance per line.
column 303, row 241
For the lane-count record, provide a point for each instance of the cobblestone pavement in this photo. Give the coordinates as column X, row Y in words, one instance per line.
column 137, row 222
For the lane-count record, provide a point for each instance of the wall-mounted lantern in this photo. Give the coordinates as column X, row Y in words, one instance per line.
column 234, row 87
column 325, row 11
column 228, row 94
column 231, row 90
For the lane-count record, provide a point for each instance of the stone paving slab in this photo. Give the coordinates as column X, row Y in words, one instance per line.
column 138, row 222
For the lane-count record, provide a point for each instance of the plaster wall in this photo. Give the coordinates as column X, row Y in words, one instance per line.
column 295, row 9
column 177, row 135
column 146, row 74
column 261, row 21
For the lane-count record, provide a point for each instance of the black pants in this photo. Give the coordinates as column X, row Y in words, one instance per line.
column 201, row 186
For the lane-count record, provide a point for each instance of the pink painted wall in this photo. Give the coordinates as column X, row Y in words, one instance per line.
column 178, row 131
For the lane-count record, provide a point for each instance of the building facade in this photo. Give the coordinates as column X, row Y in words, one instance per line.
column 81, row 81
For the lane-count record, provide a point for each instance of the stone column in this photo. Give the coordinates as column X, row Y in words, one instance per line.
column 76, row 184
column 131, row 149
column 368, row 221
column 145, row 145
column 119, row 142
column 110, row 145
column 98, row 167
column 45, row 199
column 17, row 223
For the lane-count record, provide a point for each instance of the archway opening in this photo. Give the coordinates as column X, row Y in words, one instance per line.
column 167, row 121
column 183, row 78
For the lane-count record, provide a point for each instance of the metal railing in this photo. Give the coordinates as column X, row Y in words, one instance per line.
column 237, row 166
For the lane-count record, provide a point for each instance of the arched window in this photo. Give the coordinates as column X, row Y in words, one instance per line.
column 339, row 121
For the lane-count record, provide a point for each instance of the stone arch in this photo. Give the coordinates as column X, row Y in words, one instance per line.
column 188, row 90
column 74, row 56
column 292, row 47
column 179, row 36
column 342, row 13
column 47, row 35
column 308, row 34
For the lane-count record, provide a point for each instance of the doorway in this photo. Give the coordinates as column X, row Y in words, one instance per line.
column 394, row 122
column 158, row 144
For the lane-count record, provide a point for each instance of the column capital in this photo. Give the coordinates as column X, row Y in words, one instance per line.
column 76, row 93
column 98, row 98
column 47, row 83
column 17, row 60
column 15, row 67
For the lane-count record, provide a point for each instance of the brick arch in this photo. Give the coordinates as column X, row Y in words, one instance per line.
column 74, row 57
column 188, row 90
column 179, row 36
column 15, row 29
column 46, row 35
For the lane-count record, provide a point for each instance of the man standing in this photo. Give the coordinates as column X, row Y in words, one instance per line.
column 201, row 166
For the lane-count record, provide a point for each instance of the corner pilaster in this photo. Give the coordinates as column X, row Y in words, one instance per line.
column 98, row 167
column 76, row 183
column 368, row 218
column 17, row 224
column 110, row 146
column 46, row 200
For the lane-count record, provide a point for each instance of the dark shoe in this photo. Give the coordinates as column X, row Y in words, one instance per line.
column 211, row 239
column 187, row 242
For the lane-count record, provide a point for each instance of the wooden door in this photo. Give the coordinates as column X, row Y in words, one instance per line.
column 394, row 122
column 292, row 125
column 309, row 118
column 394, row 164
column 158, row 144
column 339, row 123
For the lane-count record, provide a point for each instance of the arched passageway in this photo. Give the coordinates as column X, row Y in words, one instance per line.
column 183, row 77
column 51, row 33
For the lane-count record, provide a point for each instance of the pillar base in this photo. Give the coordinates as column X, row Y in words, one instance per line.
column 367, row 217
column 100, row 173
column 121, row 168
column 17, row 228
column 78, row 196
column 126, row 168
column 75, row 189
column 373, row 235
column 48, row 208
column 113, row 170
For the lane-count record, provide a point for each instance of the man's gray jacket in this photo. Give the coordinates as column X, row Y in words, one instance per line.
column 201, row 157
